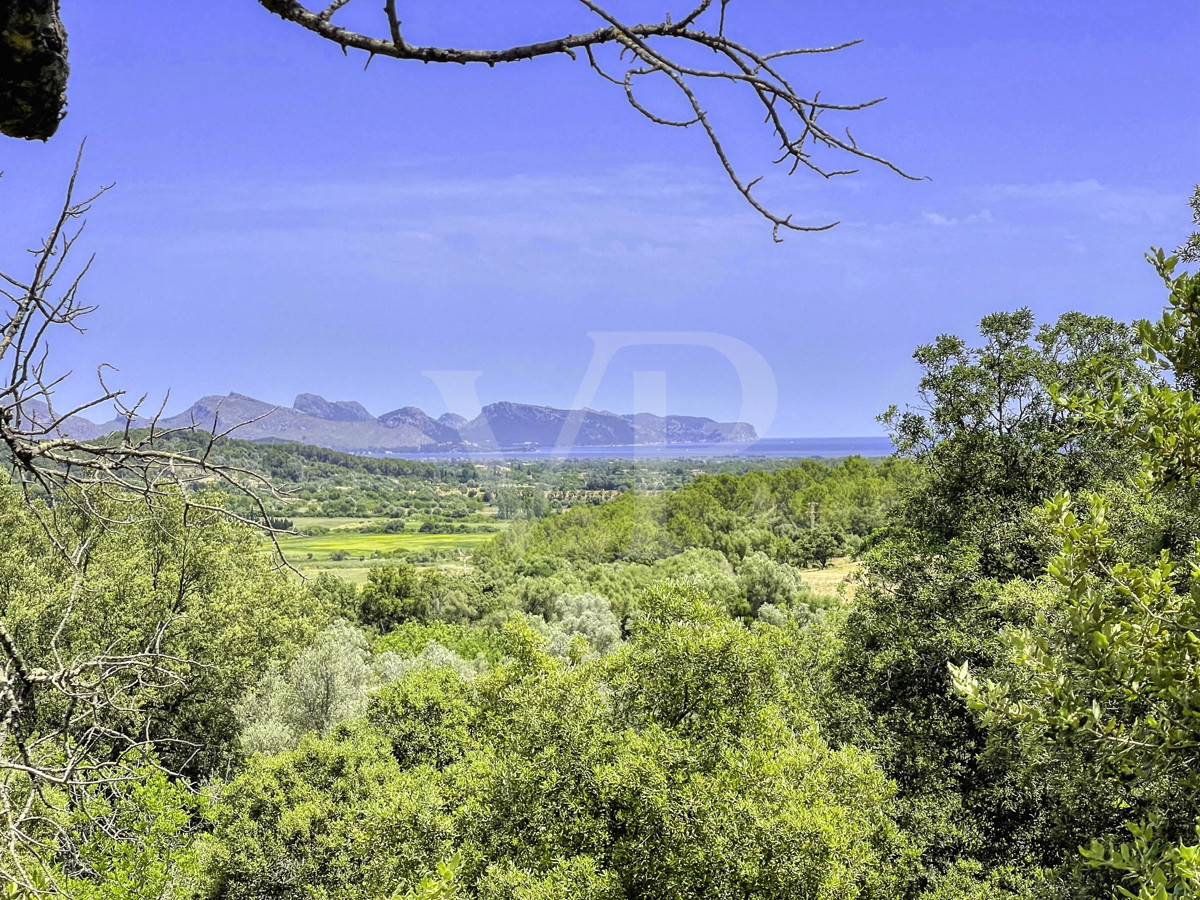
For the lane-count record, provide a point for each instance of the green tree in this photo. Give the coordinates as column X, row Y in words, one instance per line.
column 991, row 438
column 189, row 587
column 130, row 651
column 325, row 683
column 1110, row 681
column 428, row 715
column 948, row 573
column 389, row 597
column 820, row 544
column 589, row 617
column 1189, row 250
column 762, row 581
column 677, row 765
column 335, row 818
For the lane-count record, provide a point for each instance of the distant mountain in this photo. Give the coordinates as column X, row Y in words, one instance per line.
column 37, row 415
column 347, row 425
column 411, row 417
column 505, row 425
column 338, row 411
column 258, row 421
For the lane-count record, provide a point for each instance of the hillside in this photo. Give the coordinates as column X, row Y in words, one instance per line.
column 346, row 425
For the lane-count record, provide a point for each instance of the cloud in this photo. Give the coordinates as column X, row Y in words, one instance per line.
column 1118, row 205
column 547, row 233
column 933, row 218
column 1049, row 190
column 406, row 185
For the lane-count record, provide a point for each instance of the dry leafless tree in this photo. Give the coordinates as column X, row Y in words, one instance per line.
column 58, row 740
column 61, row 745
column 33, row 72
column 44, row 456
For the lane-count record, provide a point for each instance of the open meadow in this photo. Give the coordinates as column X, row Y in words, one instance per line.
column 830, row 580
column 350, row 553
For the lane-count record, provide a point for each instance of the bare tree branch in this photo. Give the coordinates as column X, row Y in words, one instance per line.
column 792, row 118
column 71, row 726
column 35, row 433
column 33, row 76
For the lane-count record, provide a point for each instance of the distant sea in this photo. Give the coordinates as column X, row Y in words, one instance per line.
column 778, row 448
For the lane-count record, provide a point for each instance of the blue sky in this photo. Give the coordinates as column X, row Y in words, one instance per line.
column 284, row 221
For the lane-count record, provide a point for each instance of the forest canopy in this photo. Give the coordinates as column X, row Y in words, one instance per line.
column 645, row 696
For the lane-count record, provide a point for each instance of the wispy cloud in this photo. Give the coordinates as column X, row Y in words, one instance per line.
column 1110, row 204
column 547, row 233
column 942, row 221
column 1049, row 190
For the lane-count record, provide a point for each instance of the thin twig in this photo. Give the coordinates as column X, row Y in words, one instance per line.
column 792, row 118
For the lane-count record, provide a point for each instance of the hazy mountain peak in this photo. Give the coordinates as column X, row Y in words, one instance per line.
column 232, row 406
column 414, row 417
column 509, row 424
column 335, row 411
column 346, row 425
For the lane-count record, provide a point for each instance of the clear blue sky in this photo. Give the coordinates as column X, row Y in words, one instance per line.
column 283, row 221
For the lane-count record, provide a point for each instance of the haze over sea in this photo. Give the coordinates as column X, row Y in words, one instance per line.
column 779, row 448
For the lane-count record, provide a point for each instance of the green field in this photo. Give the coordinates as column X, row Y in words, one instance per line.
column 310, row 554
column 297, row 547
column 350, row 570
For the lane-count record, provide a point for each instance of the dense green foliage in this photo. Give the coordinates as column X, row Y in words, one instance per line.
column 132, row 629
column 637, row 693
column 1110, row 684
column 677, row 766
column 191, row 585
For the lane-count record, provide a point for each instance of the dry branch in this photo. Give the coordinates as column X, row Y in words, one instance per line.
column 33, row 73
column 70, row 726
column 793, row 119
column 44, row 457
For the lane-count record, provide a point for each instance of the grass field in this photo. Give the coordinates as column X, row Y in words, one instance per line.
column 349, row 570
column 826, row 581
column 311, row 554
column 355, row 544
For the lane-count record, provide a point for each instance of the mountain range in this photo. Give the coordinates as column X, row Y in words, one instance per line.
column 348, row 426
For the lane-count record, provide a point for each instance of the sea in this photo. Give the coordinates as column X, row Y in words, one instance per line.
column 778, row 448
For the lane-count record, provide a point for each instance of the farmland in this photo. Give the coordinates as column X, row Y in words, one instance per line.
column 350, row 547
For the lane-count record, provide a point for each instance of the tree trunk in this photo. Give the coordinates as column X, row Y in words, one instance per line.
column 33, row 68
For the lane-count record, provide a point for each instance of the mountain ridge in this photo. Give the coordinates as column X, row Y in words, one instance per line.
column 347, row 425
